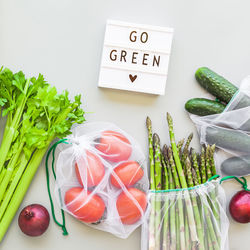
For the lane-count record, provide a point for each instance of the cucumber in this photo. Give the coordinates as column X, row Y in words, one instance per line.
column 238, row 166
column 202, row 106
column 228, row 139
column 215, row 84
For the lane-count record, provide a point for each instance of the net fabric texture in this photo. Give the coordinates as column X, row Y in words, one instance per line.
column 87, row 186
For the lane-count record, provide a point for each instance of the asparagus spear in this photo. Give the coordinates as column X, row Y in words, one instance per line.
column 152, row 185
column 158, row 185
column 213, row 168
column 165, row 208
column 186, row 151
column 179, row 146
column 180, row 240
column 189, row 173
column 175, row 152
column 195, row 164
column 172, row 224
column 208, row 238
column 211, row 230
column 189, row 139
column 193, row 233
column 173, row 168
column 187, row 236
column 151, row 153
column 208, row 167
column 195, row 205
column 157, row 161
column 213, row 202
column 214, row 193
column 196, row 182
column 203, row 166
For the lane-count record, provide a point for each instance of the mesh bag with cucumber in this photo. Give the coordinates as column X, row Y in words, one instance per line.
column 224, row 121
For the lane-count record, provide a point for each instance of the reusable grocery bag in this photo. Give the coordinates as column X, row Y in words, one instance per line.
column 230, row 132
column 101, row 178
column 192, row 218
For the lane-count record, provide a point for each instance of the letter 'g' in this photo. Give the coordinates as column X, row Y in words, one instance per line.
column 113, row 56
column 133, row 39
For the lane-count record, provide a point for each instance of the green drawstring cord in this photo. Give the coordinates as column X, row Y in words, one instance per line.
column 243, row 183
column 184, row 189
column 218, row 100
column 53, row 149
column 213, row 177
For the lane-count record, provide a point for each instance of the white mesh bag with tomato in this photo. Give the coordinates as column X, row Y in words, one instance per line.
column 101, row 178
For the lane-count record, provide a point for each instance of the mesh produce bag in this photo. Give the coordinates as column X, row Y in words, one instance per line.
column 230, row 132
column 192, row 218
column 101, row 180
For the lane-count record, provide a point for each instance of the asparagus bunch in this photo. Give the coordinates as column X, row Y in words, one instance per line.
column 178, row 219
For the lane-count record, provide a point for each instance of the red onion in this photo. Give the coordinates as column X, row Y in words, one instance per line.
column 239, row 206
column 34, row 220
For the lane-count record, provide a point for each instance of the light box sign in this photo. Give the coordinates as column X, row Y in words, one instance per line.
column 135, row 57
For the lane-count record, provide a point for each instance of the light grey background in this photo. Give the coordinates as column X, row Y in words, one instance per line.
column 63, row 40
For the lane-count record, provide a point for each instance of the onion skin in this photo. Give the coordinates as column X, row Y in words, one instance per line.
column 239, row 206
column 34, row 220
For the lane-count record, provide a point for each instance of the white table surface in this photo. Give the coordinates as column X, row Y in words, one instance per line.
column 63, row 40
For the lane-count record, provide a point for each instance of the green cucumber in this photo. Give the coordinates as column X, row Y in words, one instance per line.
column 203, row 106
column 228, row 139
column 238, row 166
column 215, row 84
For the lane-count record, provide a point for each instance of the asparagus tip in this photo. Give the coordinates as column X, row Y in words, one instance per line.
column 148, row 122
column 170, row 151
column 165, row 151
column 192, row 151
column 195, row 180
column 169, row 118
column 194, row 173
column 156, row 138
column 188, row 162
column 181, row 142
column 191, row 135
column 208, row 149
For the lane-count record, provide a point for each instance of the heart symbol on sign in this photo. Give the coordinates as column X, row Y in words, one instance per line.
column 132, row 78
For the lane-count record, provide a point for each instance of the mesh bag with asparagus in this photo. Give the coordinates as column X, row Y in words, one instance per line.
column 186, row 201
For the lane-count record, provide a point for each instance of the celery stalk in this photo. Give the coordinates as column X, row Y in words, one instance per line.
column 11, row 130
column 3, row 172
column 9, row 170
column 13, row 184
column 21, row 190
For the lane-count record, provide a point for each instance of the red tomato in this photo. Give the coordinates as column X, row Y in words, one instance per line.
column 115, row 146
column 127, row 209
column 128, row 172
column 75, row 199
column 94, row 167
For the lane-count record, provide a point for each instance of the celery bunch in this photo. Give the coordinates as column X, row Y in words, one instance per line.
column 35, row 115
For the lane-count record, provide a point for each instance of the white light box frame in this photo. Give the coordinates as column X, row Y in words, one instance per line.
column 135, row 57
